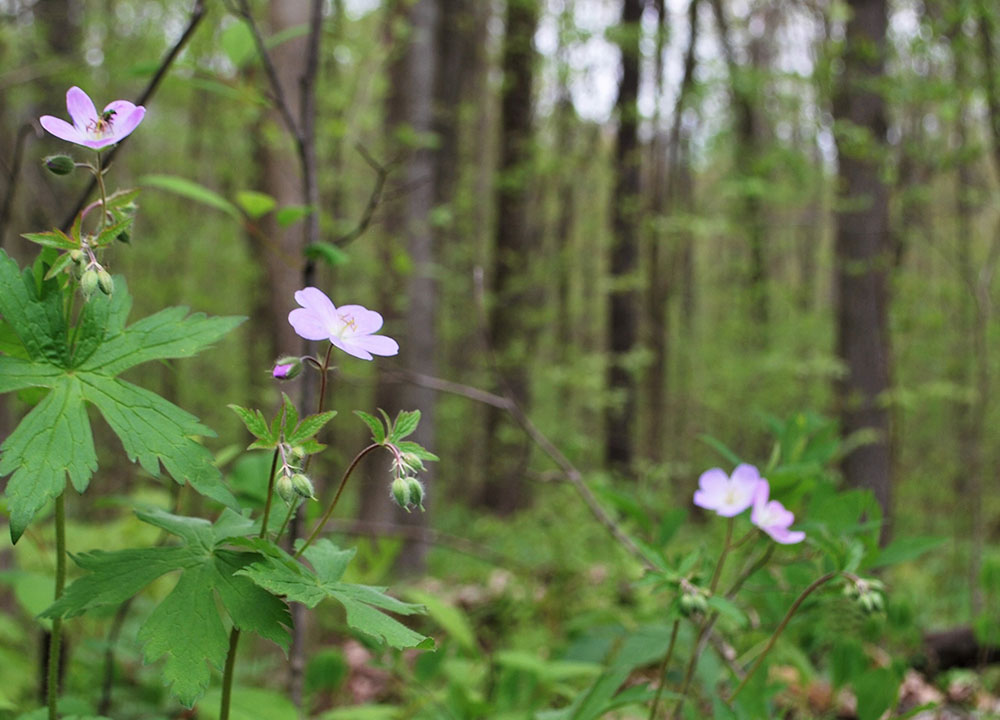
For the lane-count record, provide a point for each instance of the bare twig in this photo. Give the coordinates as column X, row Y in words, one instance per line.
column 14, row 170
column 197, row 13
column 381, row 174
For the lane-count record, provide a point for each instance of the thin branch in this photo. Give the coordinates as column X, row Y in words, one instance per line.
column 242, row 9
column 15, row 170
column 197, row 13
column 381, row 174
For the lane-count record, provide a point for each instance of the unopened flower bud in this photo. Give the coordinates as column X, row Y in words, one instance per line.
column 303, row 486
column 89, row 282
column 104, row 282
column 286, row 368
column 285, row 489
column 60, row 164
column 416, row 489
column 296, row 454
column 400, row 490
column 76, row 255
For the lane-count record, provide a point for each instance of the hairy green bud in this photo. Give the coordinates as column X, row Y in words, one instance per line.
column 303, row 486
column 60, row 164
column 104, row 282
column 285, row 489
column 89, row 282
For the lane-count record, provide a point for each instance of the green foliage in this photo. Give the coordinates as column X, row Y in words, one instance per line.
column 54, row 441
column 186, row 626
column 282, row 576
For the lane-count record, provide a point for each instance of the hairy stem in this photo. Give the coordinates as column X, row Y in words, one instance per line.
column 55, row 638
column 336, row 498
column 819, row 582
column 322, row 379
column 706, row 626
column 664, row 664
column 270, row 493
column 227, row 674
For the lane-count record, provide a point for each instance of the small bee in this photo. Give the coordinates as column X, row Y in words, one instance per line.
column 103, row 123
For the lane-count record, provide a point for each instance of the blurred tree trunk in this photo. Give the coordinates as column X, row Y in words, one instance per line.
column 623, row 310
column 745, row 93
column 511, row 325
column 375, row 504
column 863, row 257
column 669, row 197
column 410, row 106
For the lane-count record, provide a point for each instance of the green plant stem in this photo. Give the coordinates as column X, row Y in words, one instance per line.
column 699, row 642
column 322, row 379
column 746, row 574
column 336, row 498
column 227, row 674
column 816, row 584
column 288, row 517
column 270, row 494
column 99, row 176
column 664, row 664
column 55, row 637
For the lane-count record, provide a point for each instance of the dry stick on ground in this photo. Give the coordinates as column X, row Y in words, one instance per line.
column 197, row 13
column 15, row 170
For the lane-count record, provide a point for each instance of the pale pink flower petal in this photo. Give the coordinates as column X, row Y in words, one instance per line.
column 376, row 344
column 727, row 496
column 772, row 517
column 308, row 325
column 61, row 129
column 81, row 108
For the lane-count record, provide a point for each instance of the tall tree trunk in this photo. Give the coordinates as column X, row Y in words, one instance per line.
column 623, row 308
column 411, row 104
column 862, row 257
column 750, row 138
column 505, row 488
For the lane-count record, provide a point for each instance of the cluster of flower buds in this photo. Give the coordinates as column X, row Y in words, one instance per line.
column 867, row 593
column 693, row 600
column 405, row 489
column 93, row 276
column 293, row 484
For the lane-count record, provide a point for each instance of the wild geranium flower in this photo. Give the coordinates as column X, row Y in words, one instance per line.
column 772, row 517
column 90, row 128
column 728, row 496
column 351, row 328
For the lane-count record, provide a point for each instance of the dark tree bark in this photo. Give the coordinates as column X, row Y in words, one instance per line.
column 623, row 307
column 504, row 489
column 863, row 257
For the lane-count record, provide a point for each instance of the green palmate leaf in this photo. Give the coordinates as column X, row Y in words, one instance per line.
column 364, row 604
column 374, row 424
column 186, row 628
column 406, row 423
column 54, row 440
column 291, row 418
column 255, row 423
column 309, row 426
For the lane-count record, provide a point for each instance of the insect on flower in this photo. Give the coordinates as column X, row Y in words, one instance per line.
column 91, row 128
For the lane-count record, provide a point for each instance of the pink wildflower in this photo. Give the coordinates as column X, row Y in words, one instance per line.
column 350, row 328
column 90, row 128
column 773, row 518
column 728, row 496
